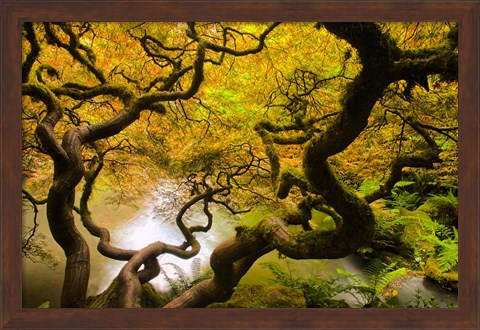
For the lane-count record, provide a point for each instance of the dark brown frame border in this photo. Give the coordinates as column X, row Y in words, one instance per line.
column 13, row 13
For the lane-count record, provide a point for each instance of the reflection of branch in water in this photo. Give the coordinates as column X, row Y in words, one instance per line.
column 31, row 232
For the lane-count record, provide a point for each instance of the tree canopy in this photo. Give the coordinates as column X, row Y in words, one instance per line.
column 295, row 117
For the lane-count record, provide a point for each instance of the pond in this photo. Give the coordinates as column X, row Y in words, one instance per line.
column 151, row 221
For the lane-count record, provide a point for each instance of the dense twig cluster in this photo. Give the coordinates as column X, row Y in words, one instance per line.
column 75, row 145
column 67, row 153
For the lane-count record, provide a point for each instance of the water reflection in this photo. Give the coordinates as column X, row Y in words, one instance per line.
column 153, row 221
column 146, row 228
column 131, row 228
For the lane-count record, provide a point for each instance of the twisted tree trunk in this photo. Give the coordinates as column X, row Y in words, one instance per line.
column 382, row 64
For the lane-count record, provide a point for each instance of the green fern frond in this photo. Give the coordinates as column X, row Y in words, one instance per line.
column 355, row 278
column 405, row 219
column 447, row 200
column 388, row 277
column 446, row 232
column 368, row 186
column 402, row 184
column 405, row 199
column 280, row 276
column 448, row 256
column 380, row 275
column 442, row 238
column 374, row 267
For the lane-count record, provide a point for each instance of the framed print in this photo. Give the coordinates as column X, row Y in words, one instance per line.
column 240, row 164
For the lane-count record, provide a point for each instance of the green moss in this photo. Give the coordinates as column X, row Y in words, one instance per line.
column 322, row 221
column 408, row 234
column 447, row 280
column 442, row 209
column 105, row 298
column 109, row 298
column 322, row 244
column 272, row 154
column 288, row 178
column 150, row 297
column 262, row 296
column 244, row 232
column 387, row 228
column 415, row 231
column 390, row 258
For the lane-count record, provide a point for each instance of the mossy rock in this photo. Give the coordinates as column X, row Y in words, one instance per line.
column 263, row 296
column 390, row 258
column 415, row 230
column 109, row 298
column 442, row 209
column 381, row 210
column 388, row 232
column 400, row 237
column 448, row 280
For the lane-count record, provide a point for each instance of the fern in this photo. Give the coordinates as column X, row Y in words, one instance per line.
column 447, row 200
column 446, row 206
column 318, row 292
column 448, row 257
column 182, row 282
column 409, row 201
column 445, row 232
column 280, row 276
column 447, row 250
column 388, row 232
column 368, row 186
column 380, row 277
column 386, row 278
column 358, row 289
column 356, row 279
column 174, row 288
column 402, row 184
column 444, row 240
column 196, row 267
column 179, row 272
column 373, row 268
column 182, row 279
column 201, row 277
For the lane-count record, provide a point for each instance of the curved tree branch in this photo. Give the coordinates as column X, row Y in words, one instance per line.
column 423, row 159
column 223, row 49
column 34, row 50
column 73, row 48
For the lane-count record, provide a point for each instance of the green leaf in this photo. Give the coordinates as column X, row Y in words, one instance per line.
column 46, row 304
column 448, row 256
column 404, row 183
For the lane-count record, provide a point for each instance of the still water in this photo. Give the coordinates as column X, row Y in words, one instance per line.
column 153, row 220
column 130, row 227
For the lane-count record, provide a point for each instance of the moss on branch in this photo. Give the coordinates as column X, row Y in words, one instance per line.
column 288, row 178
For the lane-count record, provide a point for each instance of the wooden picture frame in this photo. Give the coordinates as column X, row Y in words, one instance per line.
column 14, row 13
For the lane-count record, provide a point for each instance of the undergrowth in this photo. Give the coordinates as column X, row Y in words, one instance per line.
column 319, row 292
column 181, row 282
